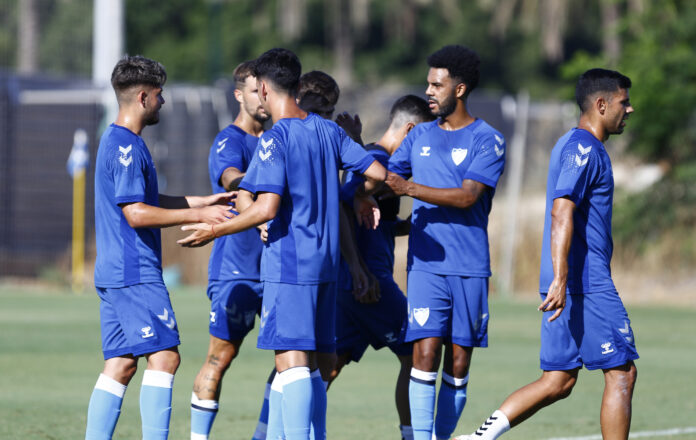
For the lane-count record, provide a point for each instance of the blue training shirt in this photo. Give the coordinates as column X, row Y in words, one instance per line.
column 446, row 240
column 299, row 159
column 124, row 173
column 376, row 246
column 235, row 256
column 580, row 170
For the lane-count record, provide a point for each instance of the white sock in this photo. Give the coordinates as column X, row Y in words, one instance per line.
column 496, row 425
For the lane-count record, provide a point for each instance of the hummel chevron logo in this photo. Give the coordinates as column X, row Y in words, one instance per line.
column 222, row 144
column 212, row 316
column 584, row 151
column 124, row 158
column 266, row 152
column 579, row 160
column 425, row 151
column 483, row 428
column 498, row 151
column 625, row 328
column 264, row 317
column 498, row 139
column 168, row 321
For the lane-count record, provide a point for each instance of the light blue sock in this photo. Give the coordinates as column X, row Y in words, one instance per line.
column 156, row 404
column 319, row 412
column 262, row 425
column 275, row 410
column 450, row 403
column 421, row 396
column 203, row 414
column 297, row 403
column 104, row 408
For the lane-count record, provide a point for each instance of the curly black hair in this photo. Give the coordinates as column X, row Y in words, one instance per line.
column 461, row 62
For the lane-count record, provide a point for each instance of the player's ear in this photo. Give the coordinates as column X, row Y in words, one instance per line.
column 409, row 126
column 460, row 90
column 141, row 97
column 601, row 104
column 238, row 95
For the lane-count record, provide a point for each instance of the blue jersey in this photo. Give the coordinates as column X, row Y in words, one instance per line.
column 125, row 173
column 376, row 246
column 235, row 256
column 299, row 159
column 580, row 170
column 446, row 240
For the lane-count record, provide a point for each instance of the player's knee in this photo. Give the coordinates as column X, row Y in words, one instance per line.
column 167, row 361
column 121, row 369
column 426, row 359
column 562, row 388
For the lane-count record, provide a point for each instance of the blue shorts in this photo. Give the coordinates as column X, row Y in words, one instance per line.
column 298, row 317
column 136, row 320
column 593, row 330
column 233, row 306
column 380, row 324
column 451, row 307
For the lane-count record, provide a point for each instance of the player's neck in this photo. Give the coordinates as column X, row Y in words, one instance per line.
column 389, row 142
column 597, row 130
column 459, row 118
column 249, row 124
column 130, row 121
column 285, row 106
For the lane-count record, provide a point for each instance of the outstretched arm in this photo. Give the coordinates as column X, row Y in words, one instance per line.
column 462, row 197
column 262, row 210
column 561, row 237
column 142, row 215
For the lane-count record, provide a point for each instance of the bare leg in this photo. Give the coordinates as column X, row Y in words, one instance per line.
column 549, row 388
column 615, row 416
column 208, row 382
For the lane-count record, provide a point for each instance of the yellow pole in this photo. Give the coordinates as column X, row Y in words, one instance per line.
column 78, row 231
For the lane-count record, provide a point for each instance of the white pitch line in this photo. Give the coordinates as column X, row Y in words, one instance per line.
column 640, row 434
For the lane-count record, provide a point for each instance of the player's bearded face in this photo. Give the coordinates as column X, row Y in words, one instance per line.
column 153, row 103
column 251, row 102
column 441, row 92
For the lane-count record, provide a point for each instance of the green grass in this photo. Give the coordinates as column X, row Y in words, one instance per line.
column 50, row 358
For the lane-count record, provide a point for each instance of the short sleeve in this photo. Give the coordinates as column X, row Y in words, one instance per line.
column 489, row 161
column 353, row 156
column 578, row 168
column 229, row 152
column 129, row 168
column 400, row 161
column 266, row 172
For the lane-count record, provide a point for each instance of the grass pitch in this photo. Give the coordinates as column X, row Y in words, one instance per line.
column 50, row 358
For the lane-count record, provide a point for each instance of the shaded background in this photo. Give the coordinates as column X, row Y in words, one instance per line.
column 532, row 51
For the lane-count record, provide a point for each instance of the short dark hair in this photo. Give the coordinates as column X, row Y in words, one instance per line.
column 598, row 81
column 319, row 83
column 242, row 72
column 461, row 62
column 281, row 67
column 137, row 70
column 410, row 108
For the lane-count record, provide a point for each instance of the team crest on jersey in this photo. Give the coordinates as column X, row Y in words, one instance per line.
column 125, row 157
column 425, row 151
column 606, row 348
column 582, row 158
column 421, row 315
column 168, row 320
column 458, row 155
column 147, row 332
column 266, row 144
column 221, row 145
